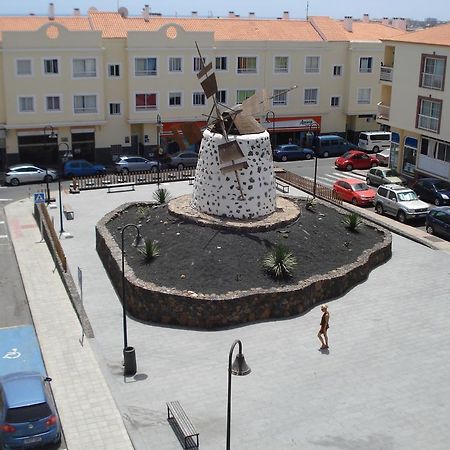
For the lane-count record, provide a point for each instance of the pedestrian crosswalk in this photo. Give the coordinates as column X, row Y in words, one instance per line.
column 328, row 179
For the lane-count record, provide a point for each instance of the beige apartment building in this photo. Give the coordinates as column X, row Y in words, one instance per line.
column 110, row 83
column 415, row 101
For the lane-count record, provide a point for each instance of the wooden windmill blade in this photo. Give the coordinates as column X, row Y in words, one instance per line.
column 209, row 85
column 252, row 105
column 247, row 124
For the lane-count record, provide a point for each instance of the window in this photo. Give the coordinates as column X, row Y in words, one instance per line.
column 145, row 67
column 435, row 149
column 23, row 67
column 221, row 63
column 221, row 96
column 365, row 64
column 174, row 98
column 242, row 95
column 145, row 102
column 337, row 71
column 246, row 64
column 84, row 68
column 85, row 104
column 281, row 64
column 312, row 64
column 364, row 95
column 51, row 66
column 433, row 72
column 26, row 104
column 114, row 109
column 429, row 116
column 198, row 63
column 53, row 103
column 311, row 96
column 114, row 70
column 198, row 98
column 279, row 97
column 175, row 64
column 335, row 101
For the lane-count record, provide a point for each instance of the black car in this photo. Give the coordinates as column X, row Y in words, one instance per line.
column 433, row 190
column 438, row 221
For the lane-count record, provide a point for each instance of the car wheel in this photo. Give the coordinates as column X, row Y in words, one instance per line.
column 374, row 164
column 437, row 201
column 14, row 182
column 154, row 169
column 48, row 179
column 401, row 216
column 354, row 201
column 308, row 156
column 376, row 149
column 326, row 154
column 284, row 158
column 368, row 181
column 180, row 166
column 430, row 229
column 349, row 167
column 379, row 208
column 125, row 171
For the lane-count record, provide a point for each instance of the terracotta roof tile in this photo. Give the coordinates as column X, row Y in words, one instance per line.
column 438, row 35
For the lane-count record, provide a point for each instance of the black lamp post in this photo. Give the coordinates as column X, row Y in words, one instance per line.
column 129, row 355
column 239, row 368
column 49, row 132
column 67, row 150
column 158, row 141
column 274, row 138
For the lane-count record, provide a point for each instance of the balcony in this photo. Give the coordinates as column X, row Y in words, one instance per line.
column 383, row 111
column 386, row 73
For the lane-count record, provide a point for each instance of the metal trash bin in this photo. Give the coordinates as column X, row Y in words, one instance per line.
column 129, row 361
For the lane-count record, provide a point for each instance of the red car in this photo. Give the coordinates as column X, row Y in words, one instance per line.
column 354, row 159
column 354, row 191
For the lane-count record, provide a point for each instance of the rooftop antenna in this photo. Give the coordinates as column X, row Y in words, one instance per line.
column 307, row 10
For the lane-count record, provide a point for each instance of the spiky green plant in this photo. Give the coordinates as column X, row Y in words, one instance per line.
column 310, row 203
column 279, row 262
column 161, row 195
column 150, row 250
column 352, row 221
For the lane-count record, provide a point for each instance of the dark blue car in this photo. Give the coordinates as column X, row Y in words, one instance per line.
column 291, row 152
column 433, row 190
column 82, row 168
column 438, row 221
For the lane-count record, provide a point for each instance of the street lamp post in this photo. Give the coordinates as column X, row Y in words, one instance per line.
column 274, row 139
column 129, row 355
column 67, row 150
column 158, row 140
column 239, row 368
column 49, row 132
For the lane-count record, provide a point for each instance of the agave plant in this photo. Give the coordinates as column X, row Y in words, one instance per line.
column 161, row 195
column 352, row 221
column 150, row 250
column 310, row 203
column 279, row 262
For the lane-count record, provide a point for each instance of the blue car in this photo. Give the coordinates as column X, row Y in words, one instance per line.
column 438, row 222
column 291, row 152
column 28, row 415
column 82, row 168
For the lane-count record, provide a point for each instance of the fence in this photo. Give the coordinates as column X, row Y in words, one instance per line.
column 103, row 181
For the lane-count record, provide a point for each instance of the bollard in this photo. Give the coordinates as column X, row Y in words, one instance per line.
column 129, row 361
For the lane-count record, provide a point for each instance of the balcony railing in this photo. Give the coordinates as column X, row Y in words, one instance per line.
column 383, row 111
column 386, row 73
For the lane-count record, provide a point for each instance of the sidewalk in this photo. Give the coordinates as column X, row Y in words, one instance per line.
column 88, row 413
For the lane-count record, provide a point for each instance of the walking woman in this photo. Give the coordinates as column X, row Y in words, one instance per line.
column 323, row 332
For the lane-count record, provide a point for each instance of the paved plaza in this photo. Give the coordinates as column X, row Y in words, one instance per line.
column 383, row 385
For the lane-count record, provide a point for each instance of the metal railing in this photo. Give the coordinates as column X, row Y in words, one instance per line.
column 383, row 112
column 386, row 73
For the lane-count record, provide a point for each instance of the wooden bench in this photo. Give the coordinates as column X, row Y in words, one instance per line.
column 175, row 413
column 121, row 187
column 68, row 211
column 282, row 186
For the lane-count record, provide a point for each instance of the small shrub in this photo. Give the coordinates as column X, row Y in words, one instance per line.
column 279, row 262
column 142, row 212
column 310, row 203
column 161, row 196
column 150, row 250
column 352, row 221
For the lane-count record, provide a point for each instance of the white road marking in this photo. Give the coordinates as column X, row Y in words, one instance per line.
column 3, row 236
column 5, row 199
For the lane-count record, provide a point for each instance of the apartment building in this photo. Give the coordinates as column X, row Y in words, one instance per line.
column 415, row 101
column 109, row 83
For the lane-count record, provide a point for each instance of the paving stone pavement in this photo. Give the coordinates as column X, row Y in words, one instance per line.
column 383, row 384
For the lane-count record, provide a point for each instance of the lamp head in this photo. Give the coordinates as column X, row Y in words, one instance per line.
column 240, row 367
column 139, row 241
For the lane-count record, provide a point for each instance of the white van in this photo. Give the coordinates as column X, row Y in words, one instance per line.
column 374, row 141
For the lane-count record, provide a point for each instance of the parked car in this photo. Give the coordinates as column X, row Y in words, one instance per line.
column 355, row 159
column 433, row 190
column 291, row 152
column 27, row 173
column 182, row 160
column 374, row 141
column 383, row 175
column 383, row 157
column 331, row 145
column 400, row 202
column 82, row 168
column 125, row 164
column 354, row 191
column 438, row 221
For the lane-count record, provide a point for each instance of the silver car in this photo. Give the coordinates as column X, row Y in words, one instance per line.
column 27, row 173
column 383, row 175
column 126, row 164
column 182, row 160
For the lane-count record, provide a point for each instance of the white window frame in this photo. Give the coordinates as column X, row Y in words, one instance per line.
column 198, row 105
column 277, row 71
column 53, row 111
column 423, row 120
column 339, row 101
column 114, row 64
column 142, row 110
column 24, row 75
column 431, row 80
column 90, row 94
column 196, row 66
column 120, row 108
column 51, row 74
column 309, row 71
column 180, row 94
column 366, row 69
column 227, row 62
column 358, row 96
column 244, row 71
column 84, row 58
column 279, row 104
column 170, row 58
column 243, row 90
column 33, row 99
column 317, row 96
column 145, row 73
column 226, row 96
column 341, row 70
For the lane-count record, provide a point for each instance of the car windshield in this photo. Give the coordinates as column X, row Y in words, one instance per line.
column 28, row 413
column 407, row 196
column 360, row 187
column 346, row 155
column 391, row 173
column 442, row 186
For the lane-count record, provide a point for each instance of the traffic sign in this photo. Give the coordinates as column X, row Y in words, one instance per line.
column 39, row 197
